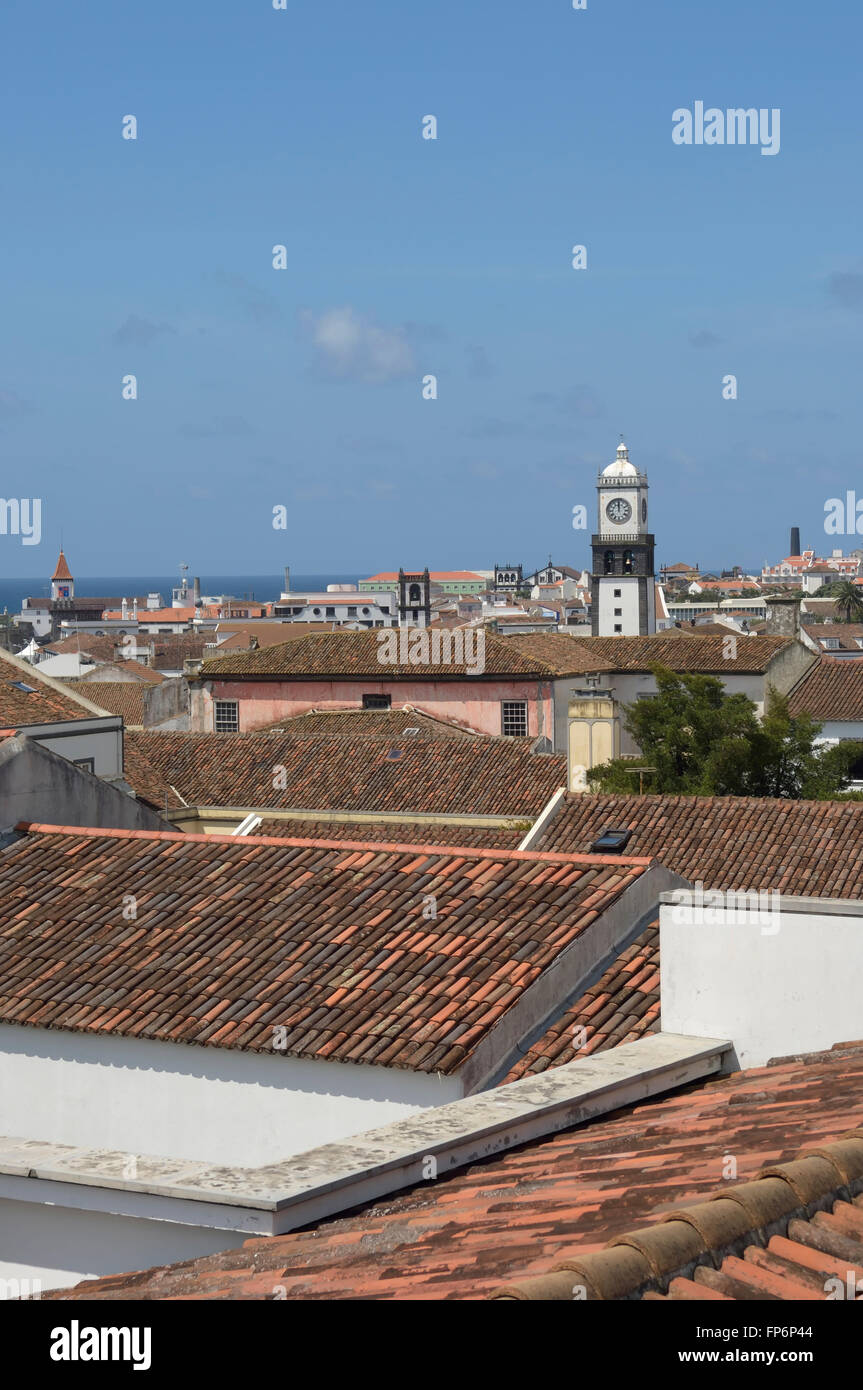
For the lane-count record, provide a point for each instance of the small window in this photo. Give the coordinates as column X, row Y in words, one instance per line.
column 331, row 612
column 352, row 610
column 227, row 717
column 514, row 718
column 617, row 593
column 88, row 764
column 377, row 701
column 618, row 627
column 611, row 842
column 618, row 612
column 22, row 685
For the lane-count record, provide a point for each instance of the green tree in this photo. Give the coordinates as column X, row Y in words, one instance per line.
column 696, row 739
column 848, row 599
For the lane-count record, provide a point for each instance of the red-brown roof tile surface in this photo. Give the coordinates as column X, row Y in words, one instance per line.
column 623, row 1005
column 370, row 723
column 476, row 776
column 360, row 654
column 234, row 937
column 42, row 704
column 115, row 697
column 808, row 848
column 410, row 832
column 831, row 689
column 513, row 1216
column 681, row 651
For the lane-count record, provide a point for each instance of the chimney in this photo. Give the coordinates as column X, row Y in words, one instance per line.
column 124, row 609
column 795, row 541
column 135, row 609
column 196, row 590
column 287, row 579
column 783, row 615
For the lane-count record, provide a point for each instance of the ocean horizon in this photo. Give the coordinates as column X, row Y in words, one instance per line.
column 261, row 587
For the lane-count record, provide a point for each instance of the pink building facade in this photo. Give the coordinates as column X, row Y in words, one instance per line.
column 488, row 705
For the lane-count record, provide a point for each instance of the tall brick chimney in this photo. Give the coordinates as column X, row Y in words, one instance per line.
column 795, row 541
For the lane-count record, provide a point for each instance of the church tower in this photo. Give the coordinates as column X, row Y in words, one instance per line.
column 62, row 583
column 414, row 599
column 623, row 599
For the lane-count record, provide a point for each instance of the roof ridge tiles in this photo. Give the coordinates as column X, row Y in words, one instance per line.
column 700, row 1235
column 367, row 846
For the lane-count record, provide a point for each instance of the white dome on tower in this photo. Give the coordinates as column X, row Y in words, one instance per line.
column 621, row 468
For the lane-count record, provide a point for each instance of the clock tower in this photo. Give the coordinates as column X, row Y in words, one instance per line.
column 623, row 602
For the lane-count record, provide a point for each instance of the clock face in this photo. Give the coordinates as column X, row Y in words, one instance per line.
column 618, row 510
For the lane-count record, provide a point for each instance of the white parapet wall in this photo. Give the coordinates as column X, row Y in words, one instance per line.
column 777, row 977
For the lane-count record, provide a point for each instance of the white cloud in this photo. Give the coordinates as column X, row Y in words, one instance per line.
column 352, row 347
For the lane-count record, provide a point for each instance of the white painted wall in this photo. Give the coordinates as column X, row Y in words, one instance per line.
column 772, row 992
column 169, row 1100
column 627, row 603
column 60, row 1246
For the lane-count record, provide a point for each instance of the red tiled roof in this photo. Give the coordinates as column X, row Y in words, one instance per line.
column 831, row 689
column 358, row 654
column 170, row 650
column 623, row 1005
column 88, row 644
column 560, row 653
column 678, row 650
column 477, row 776
column 235, row 936
column 369, row 723
column 844, row 633
column 517, row 1214
column 410, row 832
column 808, row 848
column 62, row 571
column 694, row 1252
column 44, row 704
column 115, row 697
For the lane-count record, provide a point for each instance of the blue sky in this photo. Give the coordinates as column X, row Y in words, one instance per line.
column 302, row 387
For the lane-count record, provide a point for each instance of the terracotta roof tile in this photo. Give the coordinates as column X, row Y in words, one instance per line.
column 388, row 832
column 472, row 776
column 369, row 723
column 681, row 651
column 358, row 654
column 288, row 902
column 115, row 697
column 808, row 848
column 623, row 1005
column 831, row 689
column 517, row 1214
column 43, row 704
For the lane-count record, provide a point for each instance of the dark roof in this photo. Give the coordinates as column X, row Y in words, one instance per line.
column 445, row 776
column 518, row 1214
column 831, row 689
column 234, row 936
column 348, row 654
column 808, row 848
